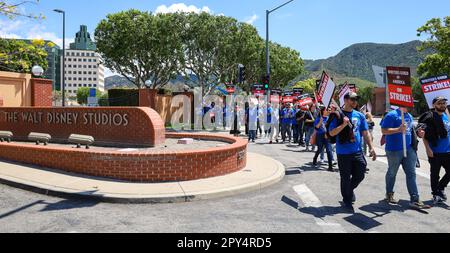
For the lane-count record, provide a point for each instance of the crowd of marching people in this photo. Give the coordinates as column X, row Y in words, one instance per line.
column 345, row 136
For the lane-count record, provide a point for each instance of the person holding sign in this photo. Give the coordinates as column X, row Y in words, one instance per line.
column 394, row 130
column 351, row 161
column 437, row 144
column 322, row 141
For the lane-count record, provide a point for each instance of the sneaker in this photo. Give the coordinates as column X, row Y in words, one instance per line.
column 270, row 142
column 390, row 199
column 322, row 161
column 437, row 199
column 419, row 205
column 443, row 196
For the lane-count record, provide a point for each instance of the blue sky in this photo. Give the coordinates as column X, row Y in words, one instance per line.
column 317, row 28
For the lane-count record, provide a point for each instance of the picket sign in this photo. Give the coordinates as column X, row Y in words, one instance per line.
column 436, row 86
column 400, row 92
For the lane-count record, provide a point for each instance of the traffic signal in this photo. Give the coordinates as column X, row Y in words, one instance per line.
column 266, row 82
column 241, row 73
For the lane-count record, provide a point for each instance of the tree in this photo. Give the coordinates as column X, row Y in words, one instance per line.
column 141, row 46
column 285, row 65
column 365, row 94
column 83, row 94
column 308, row 85
column 12, row 10
column 20, row 56
column 439, row 62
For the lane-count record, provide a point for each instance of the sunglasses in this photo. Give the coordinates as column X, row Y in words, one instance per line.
column 354, row 99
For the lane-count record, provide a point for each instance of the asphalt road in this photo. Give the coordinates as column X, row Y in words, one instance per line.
column 305, row 201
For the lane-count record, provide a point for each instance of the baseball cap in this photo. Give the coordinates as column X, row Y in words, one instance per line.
column 351, row 95
column 438, row 99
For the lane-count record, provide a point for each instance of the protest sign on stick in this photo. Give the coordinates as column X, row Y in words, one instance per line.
column 436, row 86
column 400, row 92
column 326, row 90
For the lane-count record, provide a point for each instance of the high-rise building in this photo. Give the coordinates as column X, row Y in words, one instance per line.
column 84, row 67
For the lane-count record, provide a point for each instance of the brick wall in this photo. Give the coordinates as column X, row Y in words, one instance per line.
column 41, row 92
column 144, row 128
column 137, row 167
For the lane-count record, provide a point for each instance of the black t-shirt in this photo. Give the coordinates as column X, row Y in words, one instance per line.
column 308, row 116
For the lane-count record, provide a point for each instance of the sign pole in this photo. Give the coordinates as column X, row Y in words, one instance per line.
column 405, row 154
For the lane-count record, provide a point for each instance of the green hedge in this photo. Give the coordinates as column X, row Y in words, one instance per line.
column 123, row 97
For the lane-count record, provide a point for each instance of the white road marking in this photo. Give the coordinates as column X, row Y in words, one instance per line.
column 309, row 199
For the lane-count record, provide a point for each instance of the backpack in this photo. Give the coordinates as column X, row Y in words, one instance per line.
column 345, row 136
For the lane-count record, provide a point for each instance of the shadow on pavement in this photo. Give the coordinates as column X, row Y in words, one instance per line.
column 362, row 221
column 69, row 204
column 21, row 208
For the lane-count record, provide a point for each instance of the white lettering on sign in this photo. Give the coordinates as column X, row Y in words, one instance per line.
column 68, row 118
column 401, row 97
column 437, row 86
column 398, row 72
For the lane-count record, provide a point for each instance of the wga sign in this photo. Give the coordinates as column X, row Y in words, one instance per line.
column 213, row 112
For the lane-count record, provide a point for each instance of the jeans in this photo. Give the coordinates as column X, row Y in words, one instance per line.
column 251, row 135
column 286, row 129
column 295, row 132
column 436, row 163
column 395, row 159
column 322, row 143
column 352, row 169
column 309, row 130
column 301, row 133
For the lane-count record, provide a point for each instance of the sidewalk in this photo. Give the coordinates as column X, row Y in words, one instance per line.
column 261, row 171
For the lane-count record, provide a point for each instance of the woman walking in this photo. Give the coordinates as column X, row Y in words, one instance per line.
column 321, row 138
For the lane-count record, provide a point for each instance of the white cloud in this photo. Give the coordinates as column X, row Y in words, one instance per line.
column 38, row 32
column 181, row 7
column 8, row 29
column 109, row 72
column 24, row 30
column 251, row 20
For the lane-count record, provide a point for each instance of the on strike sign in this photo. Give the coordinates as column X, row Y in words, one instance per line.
column 326, row 90
column 399, row 86
column 437, row 86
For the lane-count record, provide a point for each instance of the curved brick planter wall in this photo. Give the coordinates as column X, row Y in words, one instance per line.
column 138, row 167
column 111, row 126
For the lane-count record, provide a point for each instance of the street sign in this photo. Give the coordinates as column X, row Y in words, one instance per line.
column 92, row 92
column 436, row 86
column 399, row 86
column 92, row 101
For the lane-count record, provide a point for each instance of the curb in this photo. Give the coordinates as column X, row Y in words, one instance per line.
column 67, row 193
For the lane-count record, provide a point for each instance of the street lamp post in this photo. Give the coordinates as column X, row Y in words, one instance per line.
column 267, row 45
column 267, row 36
column 63, row 84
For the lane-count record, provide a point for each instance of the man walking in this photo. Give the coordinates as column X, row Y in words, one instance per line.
column 286, row 122
column 437, row 145
column 349, row 128
column 393, row 129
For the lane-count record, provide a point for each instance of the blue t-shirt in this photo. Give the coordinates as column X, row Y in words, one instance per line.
column 287, row 115
column 269, row 115
column 322, row 129
column 360, row 124
column 393, row 119
column 443, row 146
